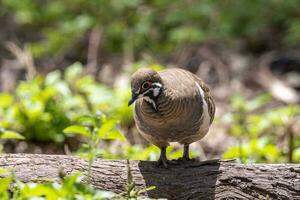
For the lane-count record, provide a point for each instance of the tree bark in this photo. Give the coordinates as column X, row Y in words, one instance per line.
column 213, row 179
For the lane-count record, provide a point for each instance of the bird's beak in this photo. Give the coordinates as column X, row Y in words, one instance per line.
column 134, row 96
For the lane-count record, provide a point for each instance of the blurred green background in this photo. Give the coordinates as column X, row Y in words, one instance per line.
column 61, row 60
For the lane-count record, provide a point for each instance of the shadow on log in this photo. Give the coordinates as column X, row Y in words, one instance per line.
column 195, row 180
column 211, row 179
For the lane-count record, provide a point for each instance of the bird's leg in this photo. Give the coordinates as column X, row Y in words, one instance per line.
column 186, row 156
column 163, row 158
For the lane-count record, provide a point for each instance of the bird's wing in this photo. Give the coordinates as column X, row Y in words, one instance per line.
column 207, row 96
column 181, row 81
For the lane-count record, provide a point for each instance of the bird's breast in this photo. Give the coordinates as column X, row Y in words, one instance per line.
column 176, row 117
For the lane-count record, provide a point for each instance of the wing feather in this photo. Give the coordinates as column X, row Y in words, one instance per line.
column 207, row 97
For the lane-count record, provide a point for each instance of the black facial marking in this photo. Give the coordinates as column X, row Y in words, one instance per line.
column 148, row 93
column 152, row 106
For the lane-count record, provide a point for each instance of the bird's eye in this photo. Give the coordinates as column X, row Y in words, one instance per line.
column 146, row 85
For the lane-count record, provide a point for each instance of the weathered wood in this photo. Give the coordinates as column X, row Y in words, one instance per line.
column 199, row 180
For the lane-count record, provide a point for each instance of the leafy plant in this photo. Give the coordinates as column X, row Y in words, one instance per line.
column 35, row 110
column 131, row 192
column 41, row 108
column 94, row 128
column 69, row 187
column 258, row 132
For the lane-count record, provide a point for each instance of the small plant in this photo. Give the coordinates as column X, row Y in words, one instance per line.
column 94, row 128
column 131, row 191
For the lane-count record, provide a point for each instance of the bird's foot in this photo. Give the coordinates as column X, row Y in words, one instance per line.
column 165, row 163
column 185, row 159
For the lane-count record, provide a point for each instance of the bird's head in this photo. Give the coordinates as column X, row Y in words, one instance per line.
column 145, row 83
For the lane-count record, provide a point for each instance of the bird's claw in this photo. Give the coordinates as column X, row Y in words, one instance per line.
column 184, row 159
column 165, row 163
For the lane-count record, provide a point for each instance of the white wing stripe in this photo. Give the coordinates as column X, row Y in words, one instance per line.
column 205, row 115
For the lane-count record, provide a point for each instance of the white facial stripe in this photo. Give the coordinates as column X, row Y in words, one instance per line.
column 157, row 84
column 147, row 91
column 156, row 90
column 149, row 100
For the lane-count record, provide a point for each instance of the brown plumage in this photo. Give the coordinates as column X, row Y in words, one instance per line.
column 172, row 105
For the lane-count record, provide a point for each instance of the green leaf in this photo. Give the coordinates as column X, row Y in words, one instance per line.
column 113, row 135
column 5, row 100
column 150, row 188
column 38, row 190
column 73, row 71
column 11, row 135
column 3, row 171
column 236, row 130
column 232, row 152
column 53, row 78
column 80, row 130
column 105, row 195
column 296, row 155
column 4, row 184
column 87, row 120
column 106, row 127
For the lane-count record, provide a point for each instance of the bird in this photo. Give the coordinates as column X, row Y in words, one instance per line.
column 171, row 105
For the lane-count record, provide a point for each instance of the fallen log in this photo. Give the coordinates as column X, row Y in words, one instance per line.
column 213, row 179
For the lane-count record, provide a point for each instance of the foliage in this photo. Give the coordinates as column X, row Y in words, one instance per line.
column 69, row 187
column 41, row 108
column 259, row 133
column 136, row 26
column 7, row 134
column 94, row 128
